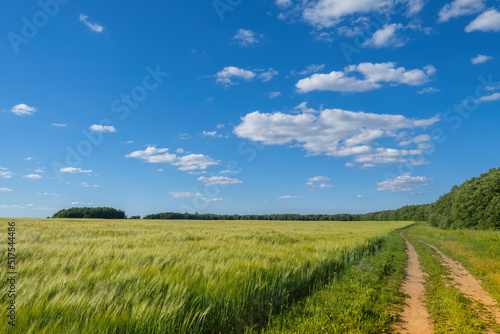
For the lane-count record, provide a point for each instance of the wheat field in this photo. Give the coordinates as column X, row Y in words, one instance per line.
column 150, row 276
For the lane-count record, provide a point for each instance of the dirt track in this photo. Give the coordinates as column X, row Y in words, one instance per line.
column 415, row 318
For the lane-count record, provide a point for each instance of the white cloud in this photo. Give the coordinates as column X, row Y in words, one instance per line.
column 268, row 75
column 61, row 125
column 272, row 95
column 490, row 98
column 334, row 132
column 373, row 76
column 404, row 183
column 81, row 203
column 428, row 90
column 39, row 171
column 188, row 162
column 23, row 110
column 480, row 59
column 5, row 173
column 247, row 38
column 129, row 142
column 327, row 13
column 459, row 8
column 101, row 128
column 28, row 159
column 312, row 69
column 187, row 194
column 213, row 134
column 218, row 180
column 73, row 170
column 387, row 36
column 284, row 3
column 315, row 182
column 87, row 185
column 289, row 197
column 220, row 126
column 489, row 21
column 360, row 197
column 416, row 140
column 179, row 150
column 4, row 190
column 415, row 6
column 227, row 74
column 32, row 176
column 92, row 25
column 318, row 178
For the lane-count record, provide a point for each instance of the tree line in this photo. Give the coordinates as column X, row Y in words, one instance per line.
column 475, row 204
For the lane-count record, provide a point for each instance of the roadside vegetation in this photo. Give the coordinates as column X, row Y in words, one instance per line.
column 364, row 298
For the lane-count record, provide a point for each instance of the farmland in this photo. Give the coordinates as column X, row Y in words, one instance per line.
column 123, row 276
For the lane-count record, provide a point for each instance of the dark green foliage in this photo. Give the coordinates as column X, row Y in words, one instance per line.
column 135, row 217
column 281, row 217
column 95, row 213
column 474, row 205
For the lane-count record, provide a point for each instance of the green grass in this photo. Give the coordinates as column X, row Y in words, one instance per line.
column 365, row 298
column 450, row 310
column 102, row 276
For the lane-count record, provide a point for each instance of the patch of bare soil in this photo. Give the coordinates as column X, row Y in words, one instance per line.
column 414, row 319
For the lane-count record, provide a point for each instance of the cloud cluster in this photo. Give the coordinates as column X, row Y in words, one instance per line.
column 319, row 182
column 74, row 170
column 404, row 183
column 335, row 132
column 230, row 75
column 218, row 180
column 387, row 36
column 32, row 176
column 480, row 59
column 101, row 128
column 188, row 194
column 373, row 76
column 189, row 162
column 5, row 173
column 247, row 38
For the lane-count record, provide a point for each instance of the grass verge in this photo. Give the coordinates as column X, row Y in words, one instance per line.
column 365, row 298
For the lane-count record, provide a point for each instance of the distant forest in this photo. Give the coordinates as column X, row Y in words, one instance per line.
column 475, row 204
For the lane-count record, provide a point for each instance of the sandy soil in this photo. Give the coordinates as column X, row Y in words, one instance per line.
column 414, row 318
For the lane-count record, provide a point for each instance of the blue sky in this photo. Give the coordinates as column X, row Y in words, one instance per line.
column 233, row 106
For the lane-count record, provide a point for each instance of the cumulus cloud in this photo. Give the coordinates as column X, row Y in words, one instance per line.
column 480, row 59
column 489, row 21
column 387, row 36
column 74, row 170
column 335, row 132
column 247, row 38
column 218, row 180
column 189, row 162
column 23, row 110
column 272, row 95
column 459, row 8
column 489, row 98
column 404, row 183
column 101, row 128
column 227, row 75
column 318, row 182
column 4, row 190
column 5, row 173
column 32, row 176
column 188, row 194
column 373, row 76
column 91, row 25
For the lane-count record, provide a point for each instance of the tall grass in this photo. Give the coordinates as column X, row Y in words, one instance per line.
column 101, row 276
